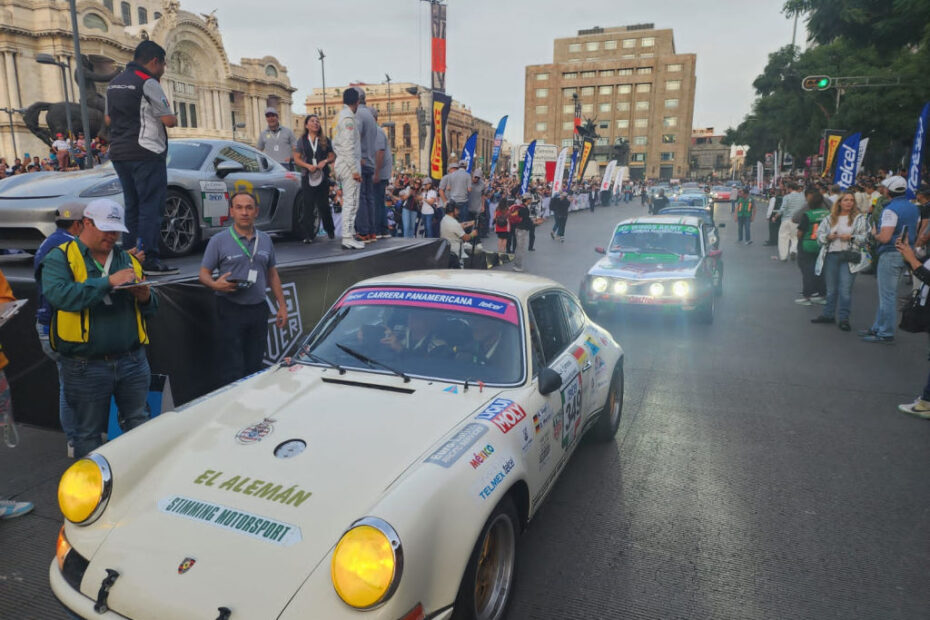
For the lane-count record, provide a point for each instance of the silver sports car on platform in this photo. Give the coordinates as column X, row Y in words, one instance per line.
column 201, row 176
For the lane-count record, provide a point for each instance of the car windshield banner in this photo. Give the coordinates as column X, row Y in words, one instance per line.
column 847, row 157
column 682, row 229
column 462, row 301
column 917, row 153
column 498, row 141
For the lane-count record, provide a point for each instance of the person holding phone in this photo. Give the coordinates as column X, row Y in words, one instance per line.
column 899, row 218
column 921, row 405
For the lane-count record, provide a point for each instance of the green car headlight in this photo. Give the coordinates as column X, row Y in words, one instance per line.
column 599, row 285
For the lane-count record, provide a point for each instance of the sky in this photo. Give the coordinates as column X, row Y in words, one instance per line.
column 490, row 42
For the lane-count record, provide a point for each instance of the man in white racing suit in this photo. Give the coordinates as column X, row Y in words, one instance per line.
column 347, row 146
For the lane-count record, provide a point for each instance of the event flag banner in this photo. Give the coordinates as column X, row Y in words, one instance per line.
column 438, row 32
column 468, row 153
column 608, row 176
column 863, row 145
column 498, row 142
column 833, row 139
column 621, row 178
column 917, row 153
column 586, row 150
column 438, row 145
column 776, row 169
column 847, row 157
column 559, row 180
column 571, row 170
column 760, row 174
column 527, row 171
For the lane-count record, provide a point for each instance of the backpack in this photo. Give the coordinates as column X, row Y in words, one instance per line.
column 500, row 218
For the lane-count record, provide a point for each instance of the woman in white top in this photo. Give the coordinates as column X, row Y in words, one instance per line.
column 840, row 234
column 428, row 209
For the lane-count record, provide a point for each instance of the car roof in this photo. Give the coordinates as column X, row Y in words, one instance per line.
column 516, row 285
column 686, row 220
column 686, row 211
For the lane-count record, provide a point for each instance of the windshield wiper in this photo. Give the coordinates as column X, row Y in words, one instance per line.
column 316, row 358
column 372, row 362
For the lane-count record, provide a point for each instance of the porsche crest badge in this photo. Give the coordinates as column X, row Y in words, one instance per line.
column 186, row 565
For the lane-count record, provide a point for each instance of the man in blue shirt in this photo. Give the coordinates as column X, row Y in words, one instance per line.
column 897, row 214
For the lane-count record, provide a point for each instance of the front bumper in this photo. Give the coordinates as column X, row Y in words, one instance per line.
column 26, row 222
column 73, row 600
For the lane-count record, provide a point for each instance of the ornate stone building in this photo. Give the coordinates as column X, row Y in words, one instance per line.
column 210, row 94
column 709, row 157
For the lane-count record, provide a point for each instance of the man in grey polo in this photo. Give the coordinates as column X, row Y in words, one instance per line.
column 367, row 133
column 457, row 185
column 277, row 142
column 245, row 261
column 384, row 162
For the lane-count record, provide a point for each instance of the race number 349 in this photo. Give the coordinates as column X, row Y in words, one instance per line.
column 571, row 410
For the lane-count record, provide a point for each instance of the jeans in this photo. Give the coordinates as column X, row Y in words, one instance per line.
column 241, row 338
column 365, row 218
column 559, row 228
column 145, row 185
column 409, row 223
column 89, row 385
column 839, row 287
column 381, row 220
column 742, row 224
column 810, row 282
column 65, row 413
column 890, row 266
column 427, row 224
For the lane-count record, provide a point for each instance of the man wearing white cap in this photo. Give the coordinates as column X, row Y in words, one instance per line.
column 99, row 325
column 277, row 142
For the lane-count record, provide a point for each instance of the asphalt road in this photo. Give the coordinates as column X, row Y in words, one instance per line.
column 761, row 469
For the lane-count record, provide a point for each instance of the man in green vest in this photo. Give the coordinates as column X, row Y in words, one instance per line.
column 813, row 287
column 743, row 216
column 101, row 304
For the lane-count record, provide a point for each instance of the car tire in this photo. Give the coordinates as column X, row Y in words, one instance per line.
column 180, row 225
column 296, row 213
column 718, row 284
column 605, row 429
column 705, row 312
column 488, row 584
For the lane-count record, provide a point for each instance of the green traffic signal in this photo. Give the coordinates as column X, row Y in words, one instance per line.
column 823, row 83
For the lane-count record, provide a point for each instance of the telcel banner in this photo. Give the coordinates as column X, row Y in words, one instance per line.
column 847, row 158
column 917, row 153
column 571, row 170
column 438, row 146
column 559, row 178
column 528, row 167
column 498, row 141
column 468, row 153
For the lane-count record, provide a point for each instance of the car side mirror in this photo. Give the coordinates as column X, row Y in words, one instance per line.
column 549, row 381
column 714, row 253
column 600, row 250
column 225, row 168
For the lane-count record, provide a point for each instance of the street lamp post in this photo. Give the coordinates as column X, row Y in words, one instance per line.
column 85, row 118
column 48, row 59
column 388, row 80
column 323, row 76
column 12, row 133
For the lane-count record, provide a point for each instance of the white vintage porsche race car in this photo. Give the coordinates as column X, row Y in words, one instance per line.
column 384, row 472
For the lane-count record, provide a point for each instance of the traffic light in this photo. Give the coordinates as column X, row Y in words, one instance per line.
column 816, row 82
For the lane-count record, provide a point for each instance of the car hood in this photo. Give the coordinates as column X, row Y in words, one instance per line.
column 359, row 440
column 51, row 184
column 646, row 267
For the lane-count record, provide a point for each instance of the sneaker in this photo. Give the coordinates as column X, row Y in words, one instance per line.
column 155, row 267
column 823, row 319
column 804, row 301
column 10, row 509
column 844, row 326
column 562, row 239
column 865, row 332
column 518, row 269
column 878, row 339
column 70, row 449
column 815, row 295
column 552, row 236
column 749, row 242
column 919, row 408
column 819, row 300
column 308, row 241
column 348, row 243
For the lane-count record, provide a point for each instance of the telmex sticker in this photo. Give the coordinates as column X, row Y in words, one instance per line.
column 231, row 519
column 459, row 444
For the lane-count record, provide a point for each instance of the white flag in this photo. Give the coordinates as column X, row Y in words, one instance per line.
column 863, row 144
column 559, row 171
column 621, row 177
column 608, row 176
column 760, row 174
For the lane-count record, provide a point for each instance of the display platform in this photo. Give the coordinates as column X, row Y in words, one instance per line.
column 182, row 333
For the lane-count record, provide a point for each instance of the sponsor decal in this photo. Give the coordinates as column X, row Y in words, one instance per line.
column 282, row 339
column 544, row 454
column 571, row 411
column 291, row 496
column 498, row 471
column 600, row 372
column 487, row 305
column 626, row 229
column 479, row 457
column 230, row 519
column 452, row 389
column 185, row 565
column 591, row 345
column 580, row 355
column 504, row 414
column 255, row 432
column 566, row 367
column 541, row 418
column 527, row 437
column 458, row 444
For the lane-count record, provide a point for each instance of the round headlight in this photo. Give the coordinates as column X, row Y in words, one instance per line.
column 599, row 285
column 84, row 489
column 656, row 289
column 620, row 287
column 681, row 288
column 367, row 563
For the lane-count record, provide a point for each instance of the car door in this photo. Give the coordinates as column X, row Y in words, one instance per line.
column 584, row 348
column 254, row 178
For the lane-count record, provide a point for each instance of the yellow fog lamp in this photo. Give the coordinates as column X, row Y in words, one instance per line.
column 84, row 489
column 599, row 285
column 681, row 289
column 367, row 563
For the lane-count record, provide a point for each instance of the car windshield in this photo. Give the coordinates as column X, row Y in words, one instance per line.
column 187, row 155
column 448, row 335
column 643, row 239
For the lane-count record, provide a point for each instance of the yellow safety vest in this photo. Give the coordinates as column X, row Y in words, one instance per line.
column 75, row 326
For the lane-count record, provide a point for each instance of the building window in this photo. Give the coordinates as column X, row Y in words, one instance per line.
column 648, row 41
column 650, row 55
column 604, row 124
column 638, row 157
column 623, row 106
column 542, row 76
column 672, row 84
column 574, row 47
column 673, row 68
column 644, row 88
column 629, row 43
column 587, row 108
column 108, row 4
column 568, row 92
column 588, row 74
column 624, row 89
column 568, row 108
column 542, row 92
column 591, row 46
column 271, row 71
column 92, row 21
column 670, row 121
column 640, row 140
column 541, row 126
column 156, row 15
column 407, row 135
column 601, row 142
column 667, row 156
column 624, row 72
column 669, row 138
column 603, row 107
column 644, row 71
column 606, row 73
column 182, row 110
column 542, row 109
column 567, row 142
column 143, row 15
column 192, row 109
column 569, row 125
column 126, row 13
column 642, row 105
column 627, row 56
column 605, row 90
column 571, row 75
column 671, row 104
column 641, row 123
column 610, row 45
column 623, row 123
column 587, row 91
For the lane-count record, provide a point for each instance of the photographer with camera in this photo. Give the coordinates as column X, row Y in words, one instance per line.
column 244, row 257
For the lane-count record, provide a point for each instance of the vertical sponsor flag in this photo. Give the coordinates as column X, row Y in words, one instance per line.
column 559, row 180
column 586, row 149
column 498, row 141
column 621, row 178
column 847, row 156
column 438, row 39
column 777, row 168
column 760, row 174
column 527, row 171
column 468, row 153
column 863, row 145
column 917, row 153
column 571, row 170
column 833, row 139
column 438, row 146
column 608, row 176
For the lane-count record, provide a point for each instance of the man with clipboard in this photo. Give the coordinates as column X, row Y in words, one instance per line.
column 245, row 261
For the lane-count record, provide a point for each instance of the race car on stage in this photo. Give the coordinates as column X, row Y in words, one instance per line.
column 201, row 175
column 661, row 261
column 384, row 472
